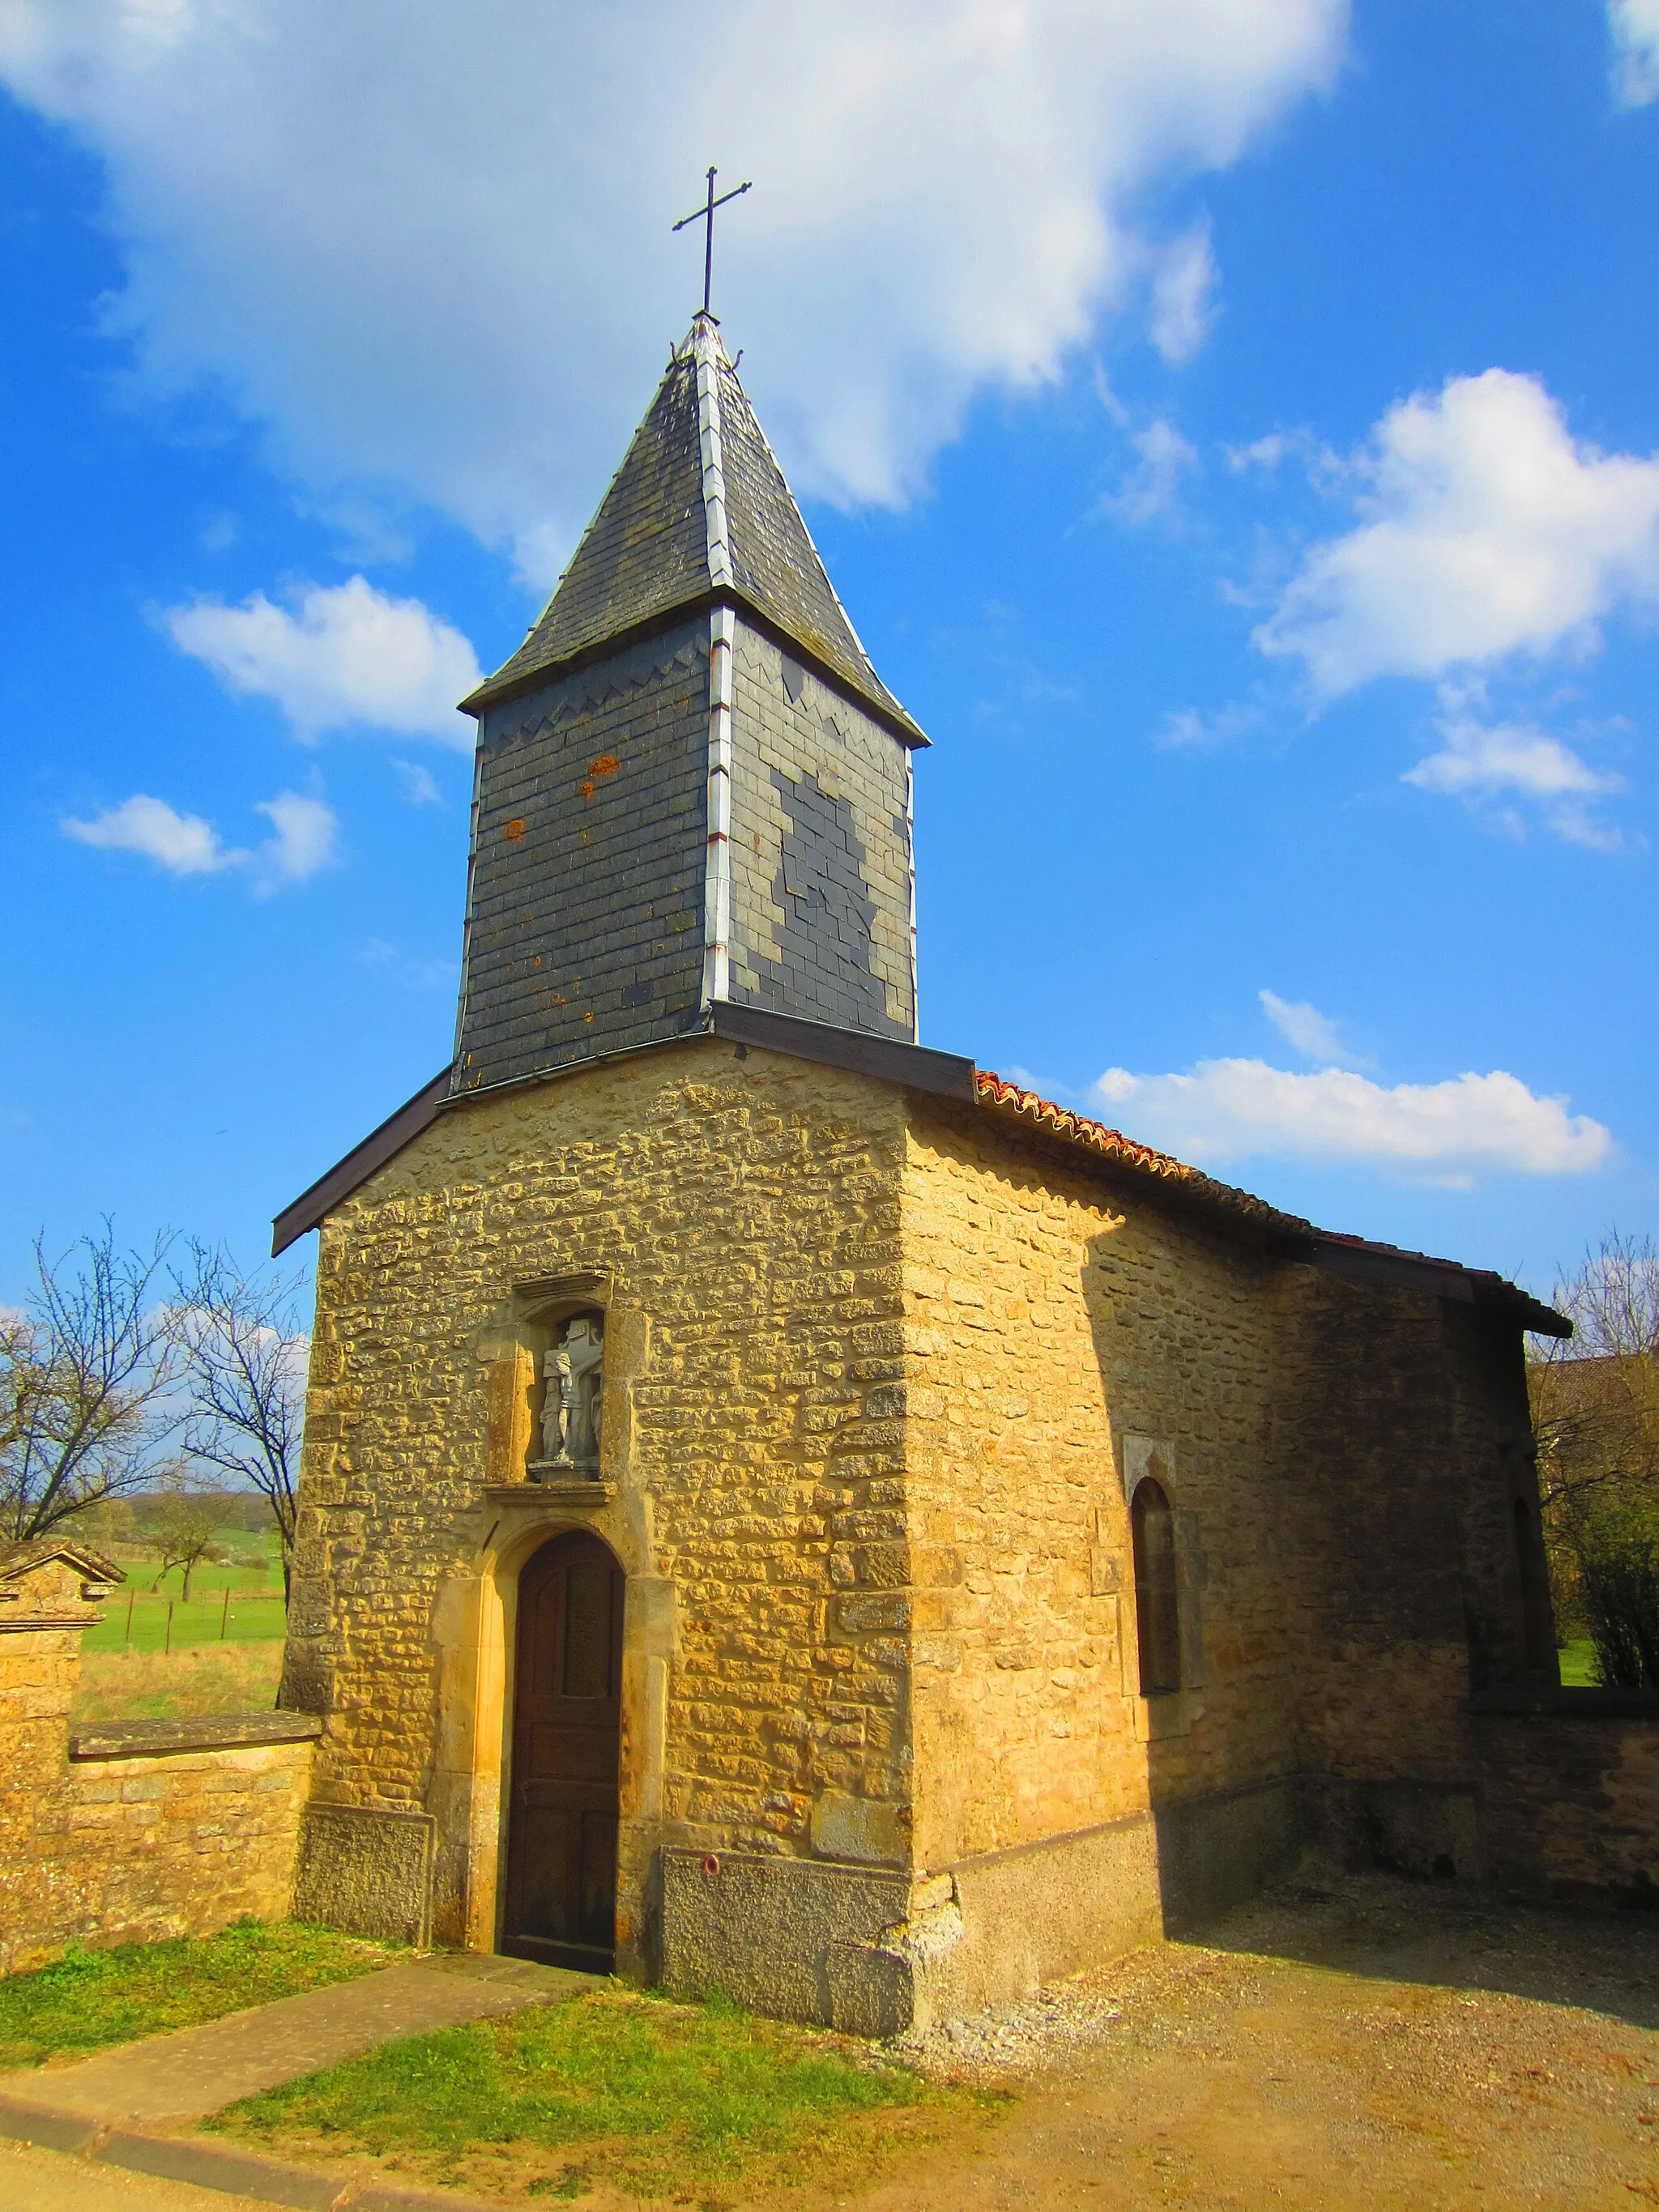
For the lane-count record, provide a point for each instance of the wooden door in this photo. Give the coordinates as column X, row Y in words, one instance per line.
column 567, row 1715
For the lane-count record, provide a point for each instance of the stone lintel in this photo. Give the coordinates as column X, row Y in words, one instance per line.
column 579, row 1489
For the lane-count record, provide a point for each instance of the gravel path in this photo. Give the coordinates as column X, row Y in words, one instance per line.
column 1368, row 2044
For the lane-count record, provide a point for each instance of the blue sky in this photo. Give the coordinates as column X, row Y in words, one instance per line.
column 1231, row 423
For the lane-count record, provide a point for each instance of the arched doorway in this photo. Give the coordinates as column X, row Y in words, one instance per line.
column 566, row 1715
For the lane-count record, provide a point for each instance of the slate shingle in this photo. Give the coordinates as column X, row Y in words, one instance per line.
column 646, row 552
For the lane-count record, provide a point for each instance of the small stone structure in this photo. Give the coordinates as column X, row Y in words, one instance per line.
column 127, row 1830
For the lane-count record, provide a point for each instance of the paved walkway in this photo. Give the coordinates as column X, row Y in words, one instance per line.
column 168, row 2080
column 46, row 2181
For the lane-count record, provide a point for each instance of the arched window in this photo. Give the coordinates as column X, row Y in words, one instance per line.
column 1158, row 1620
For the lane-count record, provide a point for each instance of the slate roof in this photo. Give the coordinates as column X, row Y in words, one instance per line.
column 1289, row 1235
column 699, row 510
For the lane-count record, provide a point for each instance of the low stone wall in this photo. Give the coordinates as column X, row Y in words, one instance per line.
column 1569, row 1793
column 127, row 1831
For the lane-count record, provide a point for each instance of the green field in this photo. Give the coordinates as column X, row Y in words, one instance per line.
column 236, row 1600
column 135, row 1619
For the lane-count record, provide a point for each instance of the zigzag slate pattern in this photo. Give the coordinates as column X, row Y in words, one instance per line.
column 698, row 509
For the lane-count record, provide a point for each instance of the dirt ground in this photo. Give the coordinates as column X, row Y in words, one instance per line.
column 1375, row 2045
column 1370, row 2044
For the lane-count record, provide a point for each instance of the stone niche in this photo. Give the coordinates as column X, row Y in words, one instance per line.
column 547, row 1360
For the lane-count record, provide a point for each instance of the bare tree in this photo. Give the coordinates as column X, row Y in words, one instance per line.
column 246, row 1349
column 1595, row 1414
column 87, row 1372
column 184, row 1532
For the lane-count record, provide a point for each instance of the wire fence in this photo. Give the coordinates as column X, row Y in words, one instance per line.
column 149, row 1620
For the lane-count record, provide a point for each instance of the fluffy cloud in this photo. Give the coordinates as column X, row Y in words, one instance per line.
column 1315, row 1035
column 182, row 844
column 419, row 288
column 1486, row 530
column 1485, row 762
column 303, row 840
column 1228, row 1110
column 1635, row 27
column 305, row 836
column 344, row 655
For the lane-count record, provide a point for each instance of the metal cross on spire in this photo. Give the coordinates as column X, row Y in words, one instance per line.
column 706, row 215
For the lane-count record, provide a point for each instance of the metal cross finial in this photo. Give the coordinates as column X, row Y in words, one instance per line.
column 706, row 215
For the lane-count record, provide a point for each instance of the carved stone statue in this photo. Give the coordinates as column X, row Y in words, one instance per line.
column 573, row 1373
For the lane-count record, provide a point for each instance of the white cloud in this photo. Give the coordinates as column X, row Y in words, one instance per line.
column 345, row 654
column 1228, row 1110
column 187, row 845
column 420, row 785
column 182, row 844
column 419, row 289
column 1312, row 1034
column 1183, row 304
column 1486, row 530
column 1484, row 761
column 1635, row 27
column 305, row 839
column 1153, row 485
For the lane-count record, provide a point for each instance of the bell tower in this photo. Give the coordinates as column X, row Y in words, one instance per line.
column 692, row 787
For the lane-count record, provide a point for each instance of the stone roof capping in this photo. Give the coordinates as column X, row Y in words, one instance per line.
column 201, row 1732
column 18, row 1559
column 1285, row 1236
column 698, row 514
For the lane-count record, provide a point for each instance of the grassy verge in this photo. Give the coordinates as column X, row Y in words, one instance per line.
column 1578, row 1665
column 91, row 1998
column 145, row 1686
column 617, row 2088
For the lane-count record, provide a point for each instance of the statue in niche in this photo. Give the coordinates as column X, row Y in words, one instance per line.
column 573, row 1372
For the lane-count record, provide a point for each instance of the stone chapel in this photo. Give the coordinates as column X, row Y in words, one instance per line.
column 783, row 1508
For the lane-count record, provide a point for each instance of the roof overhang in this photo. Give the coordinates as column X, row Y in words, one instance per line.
column 495, row 692
column 1284, row 1237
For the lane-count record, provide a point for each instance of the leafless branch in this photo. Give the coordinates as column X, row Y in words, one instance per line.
column 245, row 1350
column 87, row 1373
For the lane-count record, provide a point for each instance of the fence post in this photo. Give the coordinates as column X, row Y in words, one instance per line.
column 126, row 1633
column 167, row 1641
column 224, row 1614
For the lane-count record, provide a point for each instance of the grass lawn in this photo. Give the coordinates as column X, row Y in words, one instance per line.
column 91, row 1998
column 1578, row 1665
column 613, row 2087
column 148, row 1686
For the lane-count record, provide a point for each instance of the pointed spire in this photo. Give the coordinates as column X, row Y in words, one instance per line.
column 698, row 512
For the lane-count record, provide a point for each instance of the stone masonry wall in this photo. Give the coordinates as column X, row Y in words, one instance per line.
column 1343, row 1460
column 743, row 1209
column 1057, row 1328
column 132, row 1832
column 1569, row 1794
column 1403, row 1417
column 820, row 851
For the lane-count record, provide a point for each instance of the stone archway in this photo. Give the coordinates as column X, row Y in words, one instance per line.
column 565, row 1789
